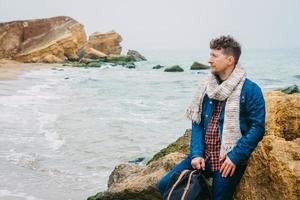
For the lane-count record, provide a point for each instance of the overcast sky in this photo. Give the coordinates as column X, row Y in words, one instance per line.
column 167, row 24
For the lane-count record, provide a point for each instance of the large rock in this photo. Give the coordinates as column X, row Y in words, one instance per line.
column 41, row 40
column 283, row 115
column 136, row 55
column 133, row 182
column 90, row 53
column 107, row 43
column 175, row 68
column 273, row 170
column 199, row 66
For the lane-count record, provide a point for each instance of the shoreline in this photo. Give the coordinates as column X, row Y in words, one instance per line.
column 11, row 69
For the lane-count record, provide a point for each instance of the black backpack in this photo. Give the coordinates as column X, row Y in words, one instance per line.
column 188, row 185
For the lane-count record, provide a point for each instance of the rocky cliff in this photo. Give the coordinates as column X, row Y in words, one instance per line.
column 60, row 39
column 41, row 40
column 107, row 43
column 272, row 173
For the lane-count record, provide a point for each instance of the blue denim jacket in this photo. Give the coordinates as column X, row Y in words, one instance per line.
column 252, row 124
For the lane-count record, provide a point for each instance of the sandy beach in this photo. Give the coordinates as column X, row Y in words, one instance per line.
column 11, row 69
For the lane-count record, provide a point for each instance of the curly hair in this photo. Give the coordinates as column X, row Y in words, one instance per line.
column 229, row 46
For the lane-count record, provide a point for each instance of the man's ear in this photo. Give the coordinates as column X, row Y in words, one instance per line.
column 231, row 60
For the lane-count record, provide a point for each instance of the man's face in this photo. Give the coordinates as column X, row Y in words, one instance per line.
column 219, row 62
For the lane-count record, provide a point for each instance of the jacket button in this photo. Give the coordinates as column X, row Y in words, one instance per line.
column 210, row 102
column 206, row 115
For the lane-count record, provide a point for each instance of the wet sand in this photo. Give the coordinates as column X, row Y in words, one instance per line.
column 10, row 69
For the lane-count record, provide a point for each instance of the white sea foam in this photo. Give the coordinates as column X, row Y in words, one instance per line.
column 7, row 194
column 55, row 139
column 46, row 123
column 33, row 161
column 27, row 160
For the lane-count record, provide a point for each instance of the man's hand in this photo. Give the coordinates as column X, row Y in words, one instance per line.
column 198, row 163
column 228, row 167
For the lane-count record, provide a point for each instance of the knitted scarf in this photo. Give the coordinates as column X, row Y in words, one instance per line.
column 228, row 90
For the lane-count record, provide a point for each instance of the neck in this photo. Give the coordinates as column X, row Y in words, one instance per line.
column 226, row 73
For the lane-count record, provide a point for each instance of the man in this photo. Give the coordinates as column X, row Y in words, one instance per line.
column 228, row 120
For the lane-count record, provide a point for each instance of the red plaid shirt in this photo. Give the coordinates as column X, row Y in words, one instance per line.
column 212, row 139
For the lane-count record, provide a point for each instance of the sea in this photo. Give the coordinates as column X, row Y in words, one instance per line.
column 64, row 129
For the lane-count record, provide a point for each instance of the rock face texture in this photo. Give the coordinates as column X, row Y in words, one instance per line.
column 90, row 53
column 41, row 40
column 133, row 182
column 107, row 43
column 272, row 173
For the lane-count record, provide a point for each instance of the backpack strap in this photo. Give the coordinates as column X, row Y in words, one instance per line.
column 176, row 183
column 186, row 189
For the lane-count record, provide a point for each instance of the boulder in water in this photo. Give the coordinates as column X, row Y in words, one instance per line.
column 136, row 55
column 175, row 68
column 199, row 66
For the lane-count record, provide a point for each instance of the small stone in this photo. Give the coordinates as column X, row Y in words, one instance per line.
column 138, row 160
column 157, row 67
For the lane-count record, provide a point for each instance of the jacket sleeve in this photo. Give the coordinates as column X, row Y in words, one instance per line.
column 256, row 120
column 197, row 140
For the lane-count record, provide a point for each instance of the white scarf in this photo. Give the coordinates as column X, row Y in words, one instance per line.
column 229, row 89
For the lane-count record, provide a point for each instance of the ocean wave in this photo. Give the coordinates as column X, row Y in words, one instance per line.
column 10, row 194
column 47, row 122
column 27, row 160
column 33, row 161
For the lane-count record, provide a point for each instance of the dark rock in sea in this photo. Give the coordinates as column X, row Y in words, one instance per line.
column 87, row 60
column 130, row 65
column 199, row 66
column 67, row 78
column 94, row 64
column 297, row 76
column 290, row 90
column 157, row 67
column 175, row 68
column 75, row 64
column 137, row 161
column 124, row 61
column 201, row 72
column 117, row 58
column 127, row 61
column 136, row 55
